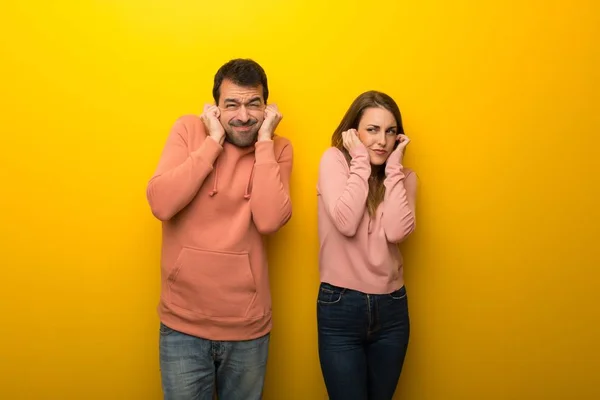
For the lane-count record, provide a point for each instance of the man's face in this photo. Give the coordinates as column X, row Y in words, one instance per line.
column 242, row 112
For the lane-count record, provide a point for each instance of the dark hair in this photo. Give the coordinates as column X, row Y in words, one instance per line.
column 351, row 120
column 242, row 72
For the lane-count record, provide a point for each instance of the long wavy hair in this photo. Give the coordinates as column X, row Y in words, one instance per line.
column 351, row 120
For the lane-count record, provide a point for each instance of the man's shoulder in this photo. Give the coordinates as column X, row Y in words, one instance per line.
column 190, row 127
column 190, row 122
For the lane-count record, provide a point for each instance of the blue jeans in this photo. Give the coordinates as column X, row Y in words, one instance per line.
column 191, row 367
column 363, row 340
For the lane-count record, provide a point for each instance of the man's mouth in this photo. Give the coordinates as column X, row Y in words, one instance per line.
column 243, row 127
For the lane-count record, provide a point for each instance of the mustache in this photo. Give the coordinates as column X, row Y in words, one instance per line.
column 238, row 123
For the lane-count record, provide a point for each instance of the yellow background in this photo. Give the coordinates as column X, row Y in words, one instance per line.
column 501, row 101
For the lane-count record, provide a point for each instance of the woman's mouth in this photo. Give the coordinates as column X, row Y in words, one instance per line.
column 380, row 152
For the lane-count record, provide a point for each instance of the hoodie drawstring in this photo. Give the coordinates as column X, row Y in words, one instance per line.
column 247, row 194
column 216, row 182
column 214, row 190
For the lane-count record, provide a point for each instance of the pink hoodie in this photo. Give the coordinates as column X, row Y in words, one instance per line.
column 358, row 252
column 216, row 202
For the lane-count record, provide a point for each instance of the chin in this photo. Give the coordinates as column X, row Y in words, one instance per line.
column 377, row 159
column 244, row 140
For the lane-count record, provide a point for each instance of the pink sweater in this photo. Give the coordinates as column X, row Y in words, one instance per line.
column 216, row 203
column 356, row 252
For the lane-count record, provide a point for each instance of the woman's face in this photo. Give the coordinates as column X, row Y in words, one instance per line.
column 377, row 130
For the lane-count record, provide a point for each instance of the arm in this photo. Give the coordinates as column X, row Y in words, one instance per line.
column 270, row 203
column 398, row 219
column 180, row 173
column 345, row 193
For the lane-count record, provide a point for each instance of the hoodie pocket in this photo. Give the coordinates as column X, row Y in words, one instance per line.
column 215, row 284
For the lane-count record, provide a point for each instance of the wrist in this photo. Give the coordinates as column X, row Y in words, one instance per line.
column 393, row 167
column 217, row 138
column 263, row 137
column 358, row 151
column 216, row 135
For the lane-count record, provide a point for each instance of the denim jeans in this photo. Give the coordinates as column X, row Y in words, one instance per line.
column 363, row 340
column 191, row 366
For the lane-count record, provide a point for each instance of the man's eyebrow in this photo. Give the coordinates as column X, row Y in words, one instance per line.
column 236, row 101
column 256, row 98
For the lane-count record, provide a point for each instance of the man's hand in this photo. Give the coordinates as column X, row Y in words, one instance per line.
column 272, row 119
column 210, row 117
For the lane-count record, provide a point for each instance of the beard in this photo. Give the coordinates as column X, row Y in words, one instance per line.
column 245, row 138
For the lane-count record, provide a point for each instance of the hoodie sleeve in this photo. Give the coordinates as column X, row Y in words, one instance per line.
column 399, row 203
column 270, row 202
column 180, row 172
column 344, row 190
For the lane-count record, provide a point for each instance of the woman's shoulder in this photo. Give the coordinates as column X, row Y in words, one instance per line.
column 410, row 172
column 332, row 152
column 332, row 155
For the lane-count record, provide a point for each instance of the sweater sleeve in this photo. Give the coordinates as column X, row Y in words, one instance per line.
column 399, row 203
column 344, row 189
column 270, row 203
column 180, row 172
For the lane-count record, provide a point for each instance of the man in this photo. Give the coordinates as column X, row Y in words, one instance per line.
column 222, row 183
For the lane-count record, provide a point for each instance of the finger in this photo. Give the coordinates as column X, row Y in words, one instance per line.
column 402, row 145
column 345, row 138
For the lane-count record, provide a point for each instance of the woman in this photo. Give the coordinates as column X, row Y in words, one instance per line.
column 366, row 207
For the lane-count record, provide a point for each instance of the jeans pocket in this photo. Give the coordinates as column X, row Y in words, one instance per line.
column 399, row 294
column 329, row 294
column 165, row 330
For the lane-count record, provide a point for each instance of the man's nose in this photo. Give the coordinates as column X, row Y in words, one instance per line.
column 242, row 114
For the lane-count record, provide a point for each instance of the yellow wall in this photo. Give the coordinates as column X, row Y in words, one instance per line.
column 501, row 101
